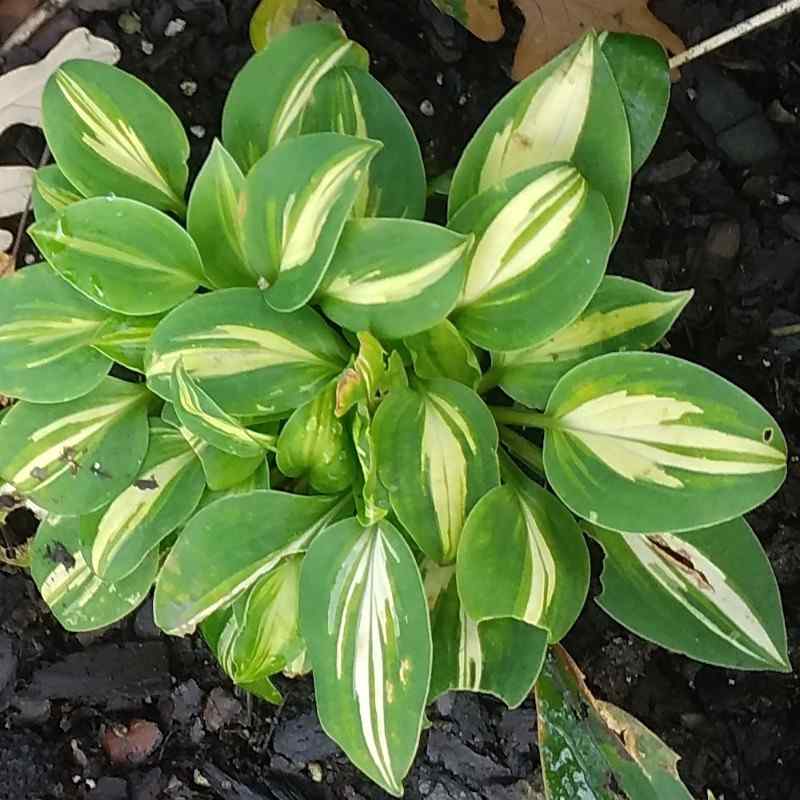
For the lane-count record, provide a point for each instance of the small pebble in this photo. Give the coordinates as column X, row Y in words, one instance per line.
column 147, row 47
column 189, row 87
column 221, row 709
column 315, row 771
column 130, row 22
column 200, row 779
column 131, row 745
column 426, row 107
column 198, row 130
column 174, row 27
column 30, row 258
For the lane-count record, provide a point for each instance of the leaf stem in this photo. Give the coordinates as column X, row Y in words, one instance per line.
column 488, row 381
column 520, row 418
column 525, row 450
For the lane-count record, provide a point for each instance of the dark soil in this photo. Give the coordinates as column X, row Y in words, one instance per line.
column 717, row 208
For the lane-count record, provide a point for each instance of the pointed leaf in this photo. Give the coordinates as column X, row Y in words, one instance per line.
column 437, row 456
column 269, row 96
column 710, row 594
column 501, row 657
column 250, row 359
column 364, row 618
column 79, row 600
column 543, row 240
column 110, row 133
column 122, row 254
column 569, row 110
column 46, row 332
column 672, row 446
column 163, row 496
column 394, row 277
column 297, row 200
column 206, row 571
column 75, row 457
column 371, row 497
column 52, row 192
column 441, row 352
column 622, row 315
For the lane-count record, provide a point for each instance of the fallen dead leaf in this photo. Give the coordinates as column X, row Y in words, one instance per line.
column 15, row 189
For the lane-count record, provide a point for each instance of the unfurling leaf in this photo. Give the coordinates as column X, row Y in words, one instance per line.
column 441, row 352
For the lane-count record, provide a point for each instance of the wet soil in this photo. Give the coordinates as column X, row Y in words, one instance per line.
column 716, row 208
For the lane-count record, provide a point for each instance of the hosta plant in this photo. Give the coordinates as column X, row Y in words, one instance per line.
column 336, row 437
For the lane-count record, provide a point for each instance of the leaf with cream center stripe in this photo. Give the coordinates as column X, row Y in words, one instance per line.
column 253, row 361
column 79, row 600
column 75, row 457
column 622, row 315
column 394, row 277
column 569, row 110
column 122, row 254
column 710, row 594
column 542, row 243
column 52, row 192
column 46, row 332
column 110, row 133
column 166, row 491
column 522, row 555
column 269, row 97
column 648, row 443
column 364, row 617
column 297, row 200
column 205, row 571
column 437, row 456
column 501, row 657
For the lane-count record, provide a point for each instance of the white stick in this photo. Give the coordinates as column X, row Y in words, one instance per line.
column 742, row 29
column 43, row 14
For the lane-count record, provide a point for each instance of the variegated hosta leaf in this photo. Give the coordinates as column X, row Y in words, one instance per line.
column 215, row 221
column 270, row 95
column 365, row 621
column 648, row 443
column 315, row 444
column 52, row 192
column 125, row 339
column 371, row 497
column 201, row 416
column 523, row 555
column 359, row 383
column 710, row 594
column 256, row 480
column 79, row 600
column 166, row 491
column 122, row 254
column 349, row 100
column 501, row 657
column 441, row 352
column 587, row 745
column 437, row 456
column 394, row 277
column 111, row 134
column 75, row 457
column 569, row 110
column 252, row 360
column 206, row 571
column 297, row 200
column 622, row 315
column 543, row 239
column 46, row 332
column 641, row 70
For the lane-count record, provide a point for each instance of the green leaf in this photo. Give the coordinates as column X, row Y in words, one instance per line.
column 360, row 383
column 543, row 239
column 124, row 339
column 46, row 332
column 622, row 315
column 215, row 221
column 437, row 456
column 710, row 594
column 75, row 457
column 270, row 94
column 647, row 443
column 79, row 600
column 205, row 571
column 594, row 750
column 317, row 445
column 259, row 479
column 364, row 618
column 569, row 110
column 501, row 657
column 641, row 70
column 163, row 496
column 297, row 200
column 252, row 360
column 349, row 100
column 371, row 497
column 111, row 134
column 52, row 192
column 441, row 352
column 394, row 277
column 523, row 555
column 122, row 254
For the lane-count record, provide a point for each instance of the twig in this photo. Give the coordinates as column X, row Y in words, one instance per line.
column 23, row 32
column 786, row 330
column 737, row 31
